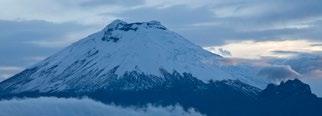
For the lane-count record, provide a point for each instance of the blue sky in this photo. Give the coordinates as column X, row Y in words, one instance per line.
column 256, row 30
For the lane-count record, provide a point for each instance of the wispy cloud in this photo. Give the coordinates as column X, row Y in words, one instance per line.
column 278, row 73
column 9, row 68
column 8, row 71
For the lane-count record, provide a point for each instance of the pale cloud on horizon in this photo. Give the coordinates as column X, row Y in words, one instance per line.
column 256, row 50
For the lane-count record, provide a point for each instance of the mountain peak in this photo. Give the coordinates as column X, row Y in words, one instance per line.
column 124, row 26
column 115, row 23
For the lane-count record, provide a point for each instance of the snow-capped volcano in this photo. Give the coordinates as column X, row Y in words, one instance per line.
column 135, row 64
column 147, row 48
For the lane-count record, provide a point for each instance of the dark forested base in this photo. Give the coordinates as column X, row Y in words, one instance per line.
column 216, row 98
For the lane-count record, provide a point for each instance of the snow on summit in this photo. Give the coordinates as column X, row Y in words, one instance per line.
column 145, row 47
column 120, row 48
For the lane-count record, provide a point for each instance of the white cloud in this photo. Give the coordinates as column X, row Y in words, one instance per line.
column 256, row 50
column 45, row 106
column 278, row 73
